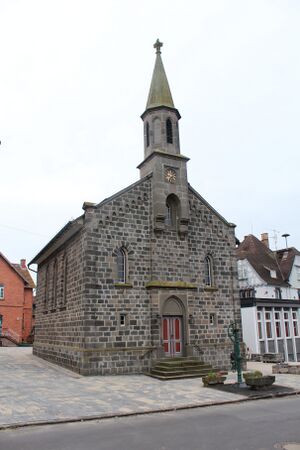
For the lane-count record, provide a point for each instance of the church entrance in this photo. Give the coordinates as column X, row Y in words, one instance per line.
column 172, row 335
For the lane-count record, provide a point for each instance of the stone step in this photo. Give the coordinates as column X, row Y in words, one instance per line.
column 178, row 368
column 165, row 373
column 175, row 377
column 164, row 367
column 179, row 361
column 181, row 364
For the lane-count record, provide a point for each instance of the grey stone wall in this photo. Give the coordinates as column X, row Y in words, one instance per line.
column 124, row 221
column 59, row 323
column 83, row 332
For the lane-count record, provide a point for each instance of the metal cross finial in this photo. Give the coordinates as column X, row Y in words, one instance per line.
column 158, row 46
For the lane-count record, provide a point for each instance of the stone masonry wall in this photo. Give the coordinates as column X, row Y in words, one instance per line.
column 208, row 234
column 59, row 328
column 123, row 221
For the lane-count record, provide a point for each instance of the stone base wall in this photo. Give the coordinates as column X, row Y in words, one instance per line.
column 98, row 362
column 65, row 357
column 115, row 362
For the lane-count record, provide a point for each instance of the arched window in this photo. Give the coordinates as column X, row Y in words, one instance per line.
column 208, row 271
column 65, row 279
column 147, row 135
column 278, row 293
column 169, row 131
column 157, row 131
column 172, row 210
column 46, row 295
column 121, row 265
column 54, row 284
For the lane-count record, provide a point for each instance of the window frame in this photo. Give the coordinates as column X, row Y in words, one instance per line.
column 2, row 292
column 122, row 266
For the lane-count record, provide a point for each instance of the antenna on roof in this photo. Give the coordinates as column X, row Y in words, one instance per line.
column 275, row 237
column 285, row 235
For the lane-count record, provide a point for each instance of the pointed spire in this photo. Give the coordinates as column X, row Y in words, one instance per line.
column 159, row 94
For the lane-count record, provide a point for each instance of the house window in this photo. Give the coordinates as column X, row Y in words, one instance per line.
column 169, row 131
column 242, row 272
column 278, row 293
column 286, row 324
column 1, row 292
column 295, row 323
column 298, row 273
column 121, row 265
column 277, row 324
column 259, row 330
column 208, row 271
column 247, row 293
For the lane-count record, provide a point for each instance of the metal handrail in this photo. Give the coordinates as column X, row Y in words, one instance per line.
column 7, row 332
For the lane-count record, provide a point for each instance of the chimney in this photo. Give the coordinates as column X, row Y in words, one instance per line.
column 264, row 237
column 23, row 263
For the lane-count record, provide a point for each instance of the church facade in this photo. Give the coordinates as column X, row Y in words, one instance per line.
column 146, row 274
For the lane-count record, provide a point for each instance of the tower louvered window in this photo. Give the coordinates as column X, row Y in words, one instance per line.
column 169, row 131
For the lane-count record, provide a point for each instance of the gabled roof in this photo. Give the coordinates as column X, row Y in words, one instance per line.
column 22, row 273
column 214, row 211
column 262, row 259
column 286, row 259
column 74, row 226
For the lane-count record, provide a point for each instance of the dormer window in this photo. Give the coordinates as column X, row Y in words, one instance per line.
column 272, row 272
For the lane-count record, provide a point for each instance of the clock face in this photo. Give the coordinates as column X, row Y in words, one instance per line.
column 170, row 175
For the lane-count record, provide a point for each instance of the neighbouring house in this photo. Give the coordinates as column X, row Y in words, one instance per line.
column 16, row 299
column 148, row 273
column 269, row 283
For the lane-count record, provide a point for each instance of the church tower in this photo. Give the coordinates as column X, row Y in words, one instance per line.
column 162, row 154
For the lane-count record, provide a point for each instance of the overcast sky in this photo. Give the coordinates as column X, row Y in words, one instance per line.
column 74, row 80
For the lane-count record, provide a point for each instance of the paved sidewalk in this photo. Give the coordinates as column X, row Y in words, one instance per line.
column 35, row 391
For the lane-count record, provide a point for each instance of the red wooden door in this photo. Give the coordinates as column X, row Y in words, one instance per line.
column 172, row 335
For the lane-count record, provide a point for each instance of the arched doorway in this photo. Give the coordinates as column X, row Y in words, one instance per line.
column 172, row 327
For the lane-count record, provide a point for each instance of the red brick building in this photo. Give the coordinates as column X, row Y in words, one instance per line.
column 16, row 301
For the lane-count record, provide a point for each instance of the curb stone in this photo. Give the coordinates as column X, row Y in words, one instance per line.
column 143, row 413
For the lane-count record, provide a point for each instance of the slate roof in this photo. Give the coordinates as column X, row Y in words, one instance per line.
column 286, row 259
column 262, row 259
column 160, row 93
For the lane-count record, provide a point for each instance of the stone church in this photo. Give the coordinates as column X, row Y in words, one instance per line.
column 146, row 274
